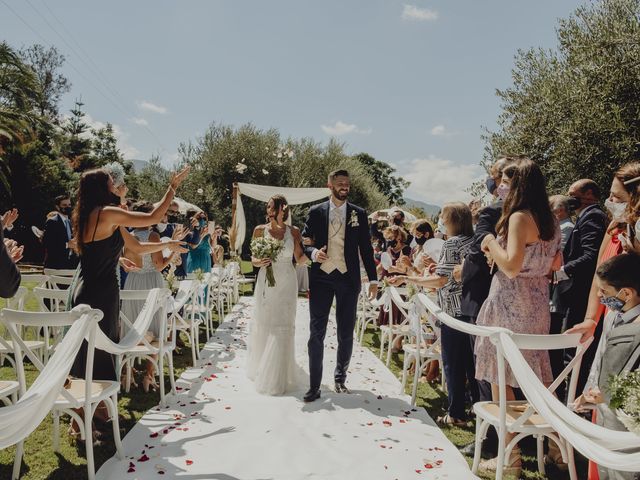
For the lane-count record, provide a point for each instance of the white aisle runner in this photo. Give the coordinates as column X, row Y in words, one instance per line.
column 218, row 427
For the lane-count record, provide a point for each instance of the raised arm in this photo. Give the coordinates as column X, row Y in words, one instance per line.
column 142, row 248
column 124, row 218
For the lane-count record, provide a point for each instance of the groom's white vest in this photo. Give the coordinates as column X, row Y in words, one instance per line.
column 335, row 250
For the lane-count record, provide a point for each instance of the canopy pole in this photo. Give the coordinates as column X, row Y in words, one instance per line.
column 233, row 231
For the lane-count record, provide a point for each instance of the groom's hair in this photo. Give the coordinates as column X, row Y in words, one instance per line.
column 337, row 173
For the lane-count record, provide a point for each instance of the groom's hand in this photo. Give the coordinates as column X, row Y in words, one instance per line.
column 321, row 255
column 373, row 291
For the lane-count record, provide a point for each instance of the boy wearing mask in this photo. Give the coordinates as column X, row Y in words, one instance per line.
column 619, row 347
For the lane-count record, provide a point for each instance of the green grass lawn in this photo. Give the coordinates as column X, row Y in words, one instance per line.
column 40, row 462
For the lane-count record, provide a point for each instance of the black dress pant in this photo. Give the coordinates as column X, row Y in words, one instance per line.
column 459, row 369
column 323, row 288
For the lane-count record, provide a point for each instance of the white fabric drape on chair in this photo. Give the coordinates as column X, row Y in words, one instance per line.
column 19, row 420
column 295, row 196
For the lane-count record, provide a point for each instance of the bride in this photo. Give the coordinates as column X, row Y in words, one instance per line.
column 271, row 362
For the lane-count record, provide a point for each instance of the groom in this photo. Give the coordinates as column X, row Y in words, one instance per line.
column 339, row 233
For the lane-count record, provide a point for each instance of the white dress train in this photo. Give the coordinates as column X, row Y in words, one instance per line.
column 271, row 360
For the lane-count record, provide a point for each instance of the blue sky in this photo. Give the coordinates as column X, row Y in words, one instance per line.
column 412, row 83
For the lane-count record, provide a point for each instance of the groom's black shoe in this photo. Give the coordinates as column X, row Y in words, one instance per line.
column 312, row 395
column 340, row 387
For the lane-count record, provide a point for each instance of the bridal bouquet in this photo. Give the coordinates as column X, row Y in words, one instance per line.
column 270, row 248
column 625, row 399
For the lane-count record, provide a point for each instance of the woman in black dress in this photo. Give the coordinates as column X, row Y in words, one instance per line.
column 101, row 235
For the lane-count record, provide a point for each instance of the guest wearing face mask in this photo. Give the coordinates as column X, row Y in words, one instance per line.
column 422, row 231
column 396, row 239
column 57, row 237
column 200, row 252
column 623, row 200
column 573, row 280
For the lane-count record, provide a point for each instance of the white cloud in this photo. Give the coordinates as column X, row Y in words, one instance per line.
column 441, row 131
column 411, row 12
column 128, row 151
column 140, row 121
column 341, row 128
column 151, row 107
column 437, row 180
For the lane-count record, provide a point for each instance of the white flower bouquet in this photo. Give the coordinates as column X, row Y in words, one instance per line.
column 625, row 399
column 270, row 248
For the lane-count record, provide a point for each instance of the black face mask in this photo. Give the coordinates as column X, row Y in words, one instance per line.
column 491, row 185
column 421, row 240
column 397, row 221
column 574, row 203
column 392, row 243
column 173, row 218
column 66, row 211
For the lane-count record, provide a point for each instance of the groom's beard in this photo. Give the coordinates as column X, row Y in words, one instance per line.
column 342, row 196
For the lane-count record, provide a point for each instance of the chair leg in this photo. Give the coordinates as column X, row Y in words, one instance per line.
column 17, row 461
column 88, row 442
column 56, row 430
column 112, row 405
column 404, row 373
column 571, row 461
column 540, row 452
column 193, row 347
column 171, row 375
column 382, row 340
column 478, row 445
column 161, row 377
column 416, row 378
column 389, row 348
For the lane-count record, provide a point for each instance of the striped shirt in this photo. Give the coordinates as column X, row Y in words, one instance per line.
column 453, row 252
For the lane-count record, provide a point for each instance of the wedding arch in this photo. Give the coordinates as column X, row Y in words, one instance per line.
column 295, row 196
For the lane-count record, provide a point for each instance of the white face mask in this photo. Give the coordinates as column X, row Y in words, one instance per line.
column 161, row 227
column 617, row 210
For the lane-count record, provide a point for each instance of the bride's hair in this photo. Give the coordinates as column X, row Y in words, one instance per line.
column 280, row 202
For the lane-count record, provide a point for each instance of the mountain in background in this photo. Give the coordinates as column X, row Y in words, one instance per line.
column 138, row 165
column 429, row 208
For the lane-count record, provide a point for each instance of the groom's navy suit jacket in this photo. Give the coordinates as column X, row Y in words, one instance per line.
column 357, row 242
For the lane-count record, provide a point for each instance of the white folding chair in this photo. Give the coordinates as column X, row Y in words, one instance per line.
column 60, row 282
column 367, row 311
column 60, row 272
column 390, row 332
column 421, row 353
column 21, row 418
column 184, row 319
column 85, row 394
column 17, row 302
column 518, row 416
column 154, row 351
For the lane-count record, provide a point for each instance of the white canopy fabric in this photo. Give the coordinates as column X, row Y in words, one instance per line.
column 295, row 196
column 184, row 206
column 408, row 216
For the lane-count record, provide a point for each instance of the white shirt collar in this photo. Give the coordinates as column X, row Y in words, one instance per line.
column 341, row 208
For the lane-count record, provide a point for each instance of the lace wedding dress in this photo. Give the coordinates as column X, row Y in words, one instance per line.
column 271, row 363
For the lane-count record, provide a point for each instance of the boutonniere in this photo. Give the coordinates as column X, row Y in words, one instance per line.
column 353, row 222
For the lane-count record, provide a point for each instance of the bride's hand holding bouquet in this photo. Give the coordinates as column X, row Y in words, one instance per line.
column 264, row 252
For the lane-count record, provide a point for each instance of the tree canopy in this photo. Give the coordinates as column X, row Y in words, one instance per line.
column 576, row 109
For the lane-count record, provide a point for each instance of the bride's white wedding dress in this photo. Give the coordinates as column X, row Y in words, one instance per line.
column 271, row 363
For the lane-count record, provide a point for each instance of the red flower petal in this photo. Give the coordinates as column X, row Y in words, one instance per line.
column 418, row 471
column 131, row 470
column 154, row 435
column 189, row 462
column 428, row 465
column 143, row 458
column 387, row 423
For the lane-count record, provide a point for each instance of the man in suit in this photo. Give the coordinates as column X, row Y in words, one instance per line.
column 573, row 281
column 57, row 237
column 340, row 232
